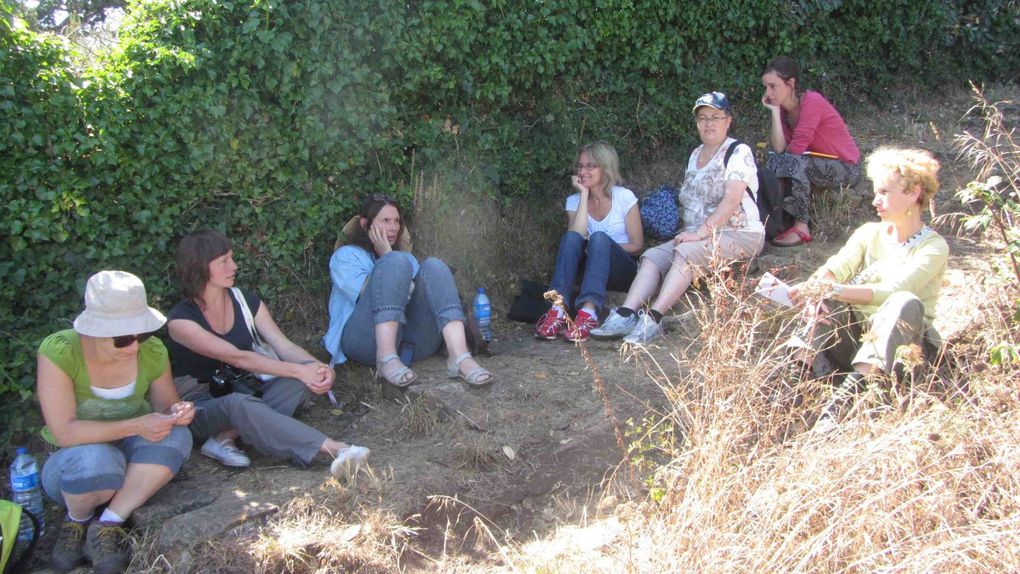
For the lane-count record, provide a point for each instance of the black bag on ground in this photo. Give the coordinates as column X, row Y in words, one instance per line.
column 529, row 305
column 771, row 195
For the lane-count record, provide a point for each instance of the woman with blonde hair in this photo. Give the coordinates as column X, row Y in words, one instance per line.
column 599, row 248
column 879, row 292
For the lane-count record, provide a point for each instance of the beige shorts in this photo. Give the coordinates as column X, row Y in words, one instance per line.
column 729, row 246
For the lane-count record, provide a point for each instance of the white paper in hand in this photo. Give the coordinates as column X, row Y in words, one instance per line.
column 772, row 288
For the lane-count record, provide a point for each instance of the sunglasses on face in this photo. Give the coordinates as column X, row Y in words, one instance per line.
column 126, row 340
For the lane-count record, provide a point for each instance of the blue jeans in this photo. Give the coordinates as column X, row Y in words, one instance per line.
column 422, row 304
column 93, row 467
column 606, row 266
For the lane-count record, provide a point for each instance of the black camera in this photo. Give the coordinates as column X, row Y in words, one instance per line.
column 228, row 379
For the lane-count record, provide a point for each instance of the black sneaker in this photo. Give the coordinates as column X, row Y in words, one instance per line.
column 68, row 550
column 108, row 547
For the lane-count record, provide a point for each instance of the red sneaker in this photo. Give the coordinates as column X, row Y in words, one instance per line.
column 583, row 325
column 550, row 326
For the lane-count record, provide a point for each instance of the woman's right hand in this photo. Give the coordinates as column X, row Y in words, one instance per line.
column 379, row 242
column 765, row 101
column 576, row 182
column 155, row 427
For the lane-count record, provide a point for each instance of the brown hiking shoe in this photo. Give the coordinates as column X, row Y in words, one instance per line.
column 108, row 547
column 68, row 550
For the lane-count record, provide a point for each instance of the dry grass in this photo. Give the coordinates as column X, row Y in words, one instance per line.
column 337, row 529
column 419, row 417
column 919, row 479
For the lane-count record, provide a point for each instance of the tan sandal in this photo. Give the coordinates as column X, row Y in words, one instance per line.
column 398, row 378
column 479, row 377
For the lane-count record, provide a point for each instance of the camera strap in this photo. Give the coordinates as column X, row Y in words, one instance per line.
column 258, row 344
column 248, row 319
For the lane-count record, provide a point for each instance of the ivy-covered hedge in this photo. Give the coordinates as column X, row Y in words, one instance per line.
column 267, row 119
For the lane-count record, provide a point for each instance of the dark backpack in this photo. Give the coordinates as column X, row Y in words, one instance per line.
column 660, row 214
column 771, row 194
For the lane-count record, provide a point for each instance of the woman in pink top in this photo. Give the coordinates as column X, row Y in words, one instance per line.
column 810, row 141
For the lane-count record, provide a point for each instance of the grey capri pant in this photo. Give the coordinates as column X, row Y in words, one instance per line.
column 86, row 468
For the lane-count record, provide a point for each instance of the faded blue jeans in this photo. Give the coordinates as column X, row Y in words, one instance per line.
column 422, row 304
column 85, row 468
column 606, row 266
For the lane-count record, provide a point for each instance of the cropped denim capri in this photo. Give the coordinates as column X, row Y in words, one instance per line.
column 86, row 468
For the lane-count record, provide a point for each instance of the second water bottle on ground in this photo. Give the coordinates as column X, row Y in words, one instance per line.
column 483, row 313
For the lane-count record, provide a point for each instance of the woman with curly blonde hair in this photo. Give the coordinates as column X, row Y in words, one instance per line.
column 879, row 291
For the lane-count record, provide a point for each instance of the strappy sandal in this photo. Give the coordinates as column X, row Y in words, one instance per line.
column 479, row 377
column 802, row 238
column 398, row 378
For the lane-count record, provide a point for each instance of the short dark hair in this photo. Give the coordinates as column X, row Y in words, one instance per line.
column 194, row 253
column 370, row 208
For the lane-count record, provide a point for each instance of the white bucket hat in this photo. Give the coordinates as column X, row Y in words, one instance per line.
column 116, row 305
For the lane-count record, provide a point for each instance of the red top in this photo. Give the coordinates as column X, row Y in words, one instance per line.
column 820, row 129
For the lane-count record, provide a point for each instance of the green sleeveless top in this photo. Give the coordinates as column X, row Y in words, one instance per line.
column 64, row 349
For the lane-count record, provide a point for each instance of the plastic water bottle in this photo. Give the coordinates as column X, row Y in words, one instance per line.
column 26, row 491
column 483, row 314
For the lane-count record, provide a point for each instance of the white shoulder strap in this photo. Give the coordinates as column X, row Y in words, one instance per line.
column 248, row 319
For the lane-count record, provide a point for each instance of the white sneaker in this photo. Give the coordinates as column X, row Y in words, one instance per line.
column 226, row 452
column 825, row 424
column 348, row 459
column 645, row 331
column 615, row 326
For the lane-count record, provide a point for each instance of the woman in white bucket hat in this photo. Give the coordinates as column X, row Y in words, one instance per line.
column 110, row 404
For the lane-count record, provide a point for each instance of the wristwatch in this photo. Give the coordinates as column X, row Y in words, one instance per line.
column 837, row 290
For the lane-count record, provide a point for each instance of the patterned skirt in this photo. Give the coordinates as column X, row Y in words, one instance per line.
column 806, row 171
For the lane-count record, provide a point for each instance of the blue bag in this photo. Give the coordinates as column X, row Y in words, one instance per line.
column 660, row 214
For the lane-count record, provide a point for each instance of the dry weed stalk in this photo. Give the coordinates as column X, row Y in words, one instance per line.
column 995, row 153
column 555, row 298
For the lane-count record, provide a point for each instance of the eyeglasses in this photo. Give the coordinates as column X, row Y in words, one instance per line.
column 705, row 120
column 587, row 166
column 126, row 340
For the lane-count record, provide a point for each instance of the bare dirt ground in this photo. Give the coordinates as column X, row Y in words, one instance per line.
column 455, row 469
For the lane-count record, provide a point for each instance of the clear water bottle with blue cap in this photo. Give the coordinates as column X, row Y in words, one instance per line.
column 483, row 313
column 26, row 490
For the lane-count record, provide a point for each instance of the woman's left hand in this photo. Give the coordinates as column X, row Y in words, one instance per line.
column 686, row 236
column 183, row 412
